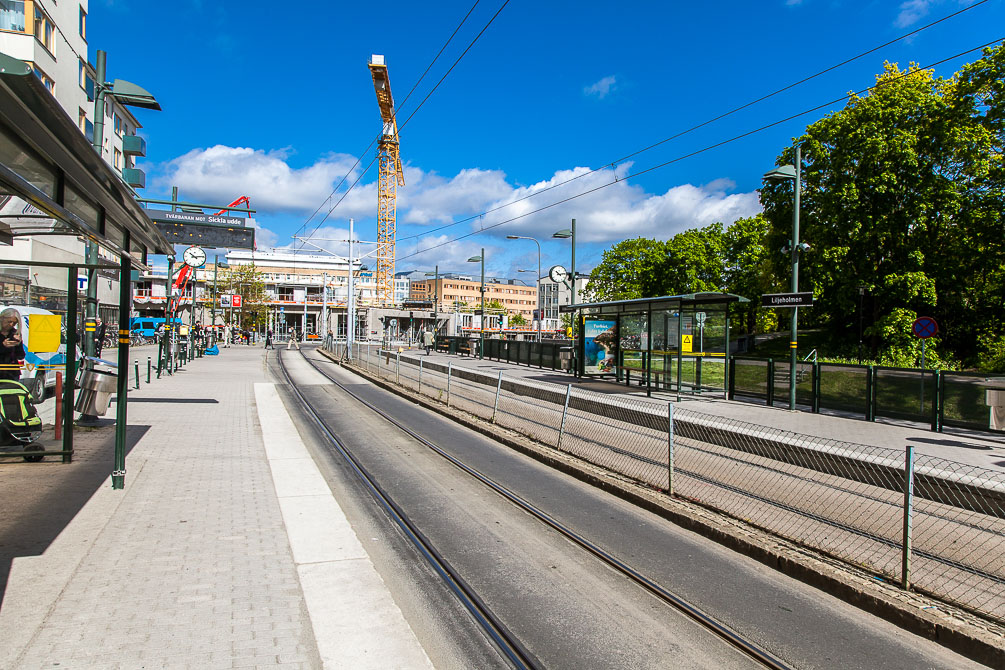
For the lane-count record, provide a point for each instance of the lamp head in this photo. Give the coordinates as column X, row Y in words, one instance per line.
column 563, row 234
column 475, row 259
column 512, row 237
column 781, row 172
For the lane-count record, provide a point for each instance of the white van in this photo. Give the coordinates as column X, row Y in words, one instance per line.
column 37, row 371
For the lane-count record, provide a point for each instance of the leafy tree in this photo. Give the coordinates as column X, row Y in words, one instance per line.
column 517, row 319
column 748, row 271
column 246, row 281
column 903, row 194
column 630, row 269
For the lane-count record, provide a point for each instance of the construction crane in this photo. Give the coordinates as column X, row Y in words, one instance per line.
column 391, row 177
column 241, row 200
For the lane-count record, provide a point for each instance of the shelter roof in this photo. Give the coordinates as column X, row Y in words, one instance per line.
column 655, row 304
column 46, row 161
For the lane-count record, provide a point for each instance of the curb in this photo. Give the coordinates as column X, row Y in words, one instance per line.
column 953, row 628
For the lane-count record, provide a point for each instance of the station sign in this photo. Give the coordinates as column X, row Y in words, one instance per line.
column 787, row 299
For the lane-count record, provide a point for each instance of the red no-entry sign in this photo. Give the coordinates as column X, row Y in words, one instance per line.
column 924, row 327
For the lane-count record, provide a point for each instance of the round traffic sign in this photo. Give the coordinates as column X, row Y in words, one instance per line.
column 924, row 327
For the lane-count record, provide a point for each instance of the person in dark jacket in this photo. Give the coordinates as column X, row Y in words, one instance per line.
column 100, row 329
column 11, row 347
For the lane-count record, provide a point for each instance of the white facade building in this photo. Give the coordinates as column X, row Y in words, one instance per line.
column 52, row 38
column 554, row 295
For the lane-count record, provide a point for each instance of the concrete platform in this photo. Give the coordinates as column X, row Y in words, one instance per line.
column 212, row 555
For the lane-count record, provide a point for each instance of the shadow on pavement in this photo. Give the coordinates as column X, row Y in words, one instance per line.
column 950, row 443
column 40, row 499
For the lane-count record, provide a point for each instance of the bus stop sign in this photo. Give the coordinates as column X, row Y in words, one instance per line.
column 924, row 327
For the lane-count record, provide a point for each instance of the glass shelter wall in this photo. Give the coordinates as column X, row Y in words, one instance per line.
column 674, row 344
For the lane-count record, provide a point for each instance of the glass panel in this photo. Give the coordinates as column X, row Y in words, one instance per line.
column 12, row 15
column 843, row 387
column 905, row 394
column 25, row 164
column 75, row 202
column 964, row 402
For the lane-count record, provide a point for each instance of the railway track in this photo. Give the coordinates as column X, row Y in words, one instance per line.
column 509, row 646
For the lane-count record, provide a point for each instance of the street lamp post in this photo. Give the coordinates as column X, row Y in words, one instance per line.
column 127, row 94
column 792, row 172
column 481, row 259
column 538, row 284
column 861, row 295
column 564, row 234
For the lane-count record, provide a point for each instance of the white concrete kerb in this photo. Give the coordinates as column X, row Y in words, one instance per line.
column 356, row 622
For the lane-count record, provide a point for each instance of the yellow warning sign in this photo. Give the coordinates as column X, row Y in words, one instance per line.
column 43, row 333
column 685, row 343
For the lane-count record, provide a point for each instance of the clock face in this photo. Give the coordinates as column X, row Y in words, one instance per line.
column 194, row 257
column 558, row 274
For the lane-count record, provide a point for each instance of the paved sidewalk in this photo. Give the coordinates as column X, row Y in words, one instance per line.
column 970, row 447
column 191, row 565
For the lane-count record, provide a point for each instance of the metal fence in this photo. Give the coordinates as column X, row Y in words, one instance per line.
column 921, row 521
column 933, row 397
column 519, row 352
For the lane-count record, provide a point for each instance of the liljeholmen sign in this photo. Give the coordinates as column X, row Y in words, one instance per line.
column 787, row 300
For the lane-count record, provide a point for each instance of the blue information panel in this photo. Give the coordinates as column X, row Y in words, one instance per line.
column 924, row 327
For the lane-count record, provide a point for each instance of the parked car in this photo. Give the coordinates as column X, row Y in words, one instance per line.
column 38, row 373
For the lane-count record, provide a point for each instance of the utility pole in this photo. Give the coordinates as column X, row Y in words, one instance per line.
column 350, row 305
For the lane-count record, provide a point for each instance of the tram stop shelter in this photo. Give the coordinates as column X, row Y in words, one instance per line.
column 675, row 343
column 67, row 189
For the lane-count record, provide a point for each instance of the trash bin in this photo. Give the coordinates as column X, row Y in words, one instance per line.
column 995, row 400
column 565, row 355
column 96, row 389
column 473, row 346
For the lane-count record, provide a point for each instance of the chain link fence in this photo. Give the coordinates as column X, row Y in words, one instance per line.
column 925, row 522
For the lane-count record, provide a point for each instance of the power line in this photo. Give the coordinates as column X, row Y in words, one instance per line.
column 409, row 118
column 702, row 150
column 698, row 126
column 377, row 137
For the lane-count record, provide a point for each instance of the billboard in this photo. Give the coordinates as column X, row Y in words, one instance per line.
column 599, row 340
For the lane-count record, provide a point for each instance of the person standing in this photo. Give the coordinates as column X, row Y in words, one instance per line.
column 100, row 328
column 228, row 333
column 427, row 339
column 292, row 342
column 268, row 339
column 11, row 347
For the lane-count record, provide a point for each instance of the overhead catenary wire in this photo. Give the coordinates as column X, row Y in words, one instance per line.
column 404, row 101
column 716, row 145
column 615, row 162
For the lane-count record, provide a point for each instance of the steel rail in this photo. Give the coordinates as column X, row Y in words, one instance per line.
column 507, row 643
column 705, row 620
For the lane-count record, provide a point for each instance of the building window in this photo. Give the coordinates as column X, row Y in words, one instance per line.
column 117, row 160
column 82, row 120
column 83, row 23
column 12, row 15
column 44, row 28
column 117, row 124
column 44, row 78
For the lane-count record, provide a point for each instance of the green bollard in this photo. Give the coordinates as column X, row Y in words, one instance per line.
column 149, row 365
column 137, row 366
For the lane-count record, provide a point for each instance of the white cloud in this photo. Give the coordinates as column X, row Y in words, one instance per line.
column 221, row 173
column 912, row 11
column 601, row 88
column 621, row 210
column 430, row 198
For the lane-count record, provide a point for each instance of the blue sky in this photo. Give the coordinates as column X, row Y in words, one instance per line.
column 274, row 100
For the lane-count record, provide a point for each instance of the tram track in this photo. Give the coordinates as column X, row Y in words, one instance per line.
column 508, row 645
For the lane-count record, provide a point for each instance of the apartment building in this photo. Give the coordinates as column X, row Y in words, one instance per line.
column 51, row 37
column 462, row 293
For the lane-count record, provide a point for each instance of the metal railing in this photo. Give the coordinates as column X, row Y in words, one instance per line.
column 934, row 397
column 920, row 521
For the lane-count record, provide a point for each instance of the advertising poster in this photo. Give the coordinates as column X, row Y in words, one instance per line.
column 599, row 339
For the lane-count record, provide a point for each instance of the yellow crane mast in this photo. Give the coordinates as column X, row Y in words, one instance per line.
column 391, row 177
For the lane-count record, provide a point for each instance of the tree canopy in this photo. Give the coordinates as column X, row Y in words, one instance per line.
column 902, row 199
